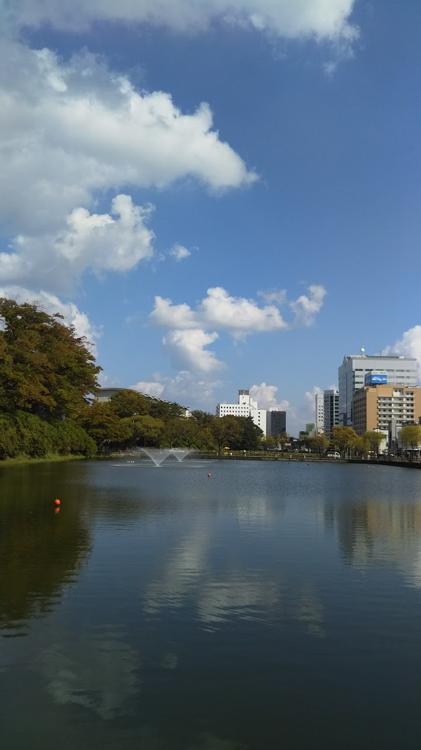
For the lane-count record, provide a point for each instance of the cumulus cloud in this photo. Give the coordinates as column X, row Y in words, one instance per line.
column 319, row 19
column 71, row 129
column 179, row 252
column 306, row 307
column 117, row 241
column 408, row 346
column 173, row 316
column 149, row 388
column 188, row 349
column 267, row 397
column 187, row 388
column 52, row 305
column 219, row 310
column 237, row 314
column 274, row 296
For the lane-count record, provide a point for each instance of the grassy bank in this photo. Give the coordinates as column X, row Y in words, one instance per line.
column 49, row 458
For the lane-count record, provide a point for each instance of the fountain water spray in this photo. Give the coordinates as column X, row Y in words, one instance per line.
column 180, row 453
column 157, row 455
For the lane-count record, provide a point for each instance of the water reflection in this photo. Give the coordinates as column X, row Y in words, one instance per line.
column 40, row 552
column 99, row 673
column 379, row 532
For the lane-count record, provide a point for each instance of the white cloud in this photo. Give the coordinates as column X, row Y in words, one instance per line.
column 219, row 310
column 69, row 130
column 185, row 388
column 149, row 388
column 173, row 316
column 188, row 349
column 294, row 19
column 103, row 242
column 267, row 397
column 274, row 296
column 52, row 304
column 237, row 314
column 179, row 252
column 408, row 346
column 306, row 307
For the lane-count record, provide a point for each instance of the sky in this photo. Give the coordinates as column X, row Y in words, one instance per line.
column 218, row 194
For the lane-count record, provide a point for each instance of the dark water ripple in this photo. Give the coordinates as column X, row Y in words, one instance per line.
column 272, row 606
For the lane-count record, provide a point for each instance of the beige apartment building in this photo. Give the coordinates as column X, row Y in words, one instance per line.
column 376, row 406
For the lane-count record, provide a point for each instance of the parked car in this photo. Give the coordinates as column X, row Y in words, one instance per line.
column 333, row 454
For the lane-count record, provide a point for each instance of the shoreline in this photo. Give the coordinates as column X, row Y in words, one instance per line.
column 49, row 458
column 288, row 458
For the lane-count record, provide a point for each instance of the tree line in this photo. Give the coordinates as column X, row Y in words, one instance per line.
column 48, row 405
column 48, row 384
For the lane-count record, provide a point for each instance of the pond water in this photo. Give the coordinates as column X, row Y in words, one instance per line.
column 272, row 606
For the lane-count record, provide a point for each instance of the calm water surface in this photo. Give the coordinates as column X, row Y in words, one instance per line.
column 274, row 606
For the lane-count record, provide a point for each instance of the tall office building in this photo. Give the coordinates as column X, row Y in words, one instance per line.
column 331, row 411
column 246, row 407
column 319, row 411
column 357, row 367
column 380, row 407
column 276, row 423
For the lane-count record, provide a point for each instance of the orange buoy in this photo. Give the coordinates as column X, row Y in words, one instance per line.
column 57, row 501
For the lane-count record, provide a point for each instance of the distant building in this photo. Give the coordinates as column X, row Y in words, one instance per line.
column 331, row 411
column 319, row 411
column 246, row 407
column 106, row 394
column 356, row 368
column 386, row 407
column 276, row 423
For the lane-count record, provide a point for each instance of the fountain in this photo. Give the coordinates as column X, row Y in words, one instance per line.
column 158, row 455
column 180, row 453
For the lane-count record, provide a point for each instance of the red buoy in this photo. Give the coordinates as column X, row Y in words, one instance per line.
column 57, row 501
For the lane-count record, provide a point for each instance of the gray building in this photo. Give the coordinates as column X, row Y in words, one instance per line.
column 330, row 411
column 276, row 423
column 355, row 368
column 319, row 412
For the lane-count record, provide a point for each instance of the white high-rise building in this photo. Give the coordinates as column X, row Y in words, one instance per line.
column 246, row 407
column 319, row 411
column 355, row 368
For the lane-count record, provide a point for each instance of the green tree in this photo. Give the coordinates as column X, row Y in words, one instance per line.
column 226, row 432
column 146, row 430
column 251, row 435
column 44, row 367
column 127, row 403
column 103, row 425
column 203, row 418
column 372, row 441
column 9, row 440
column 318, row 444
column 410, row 436
column 344, row 440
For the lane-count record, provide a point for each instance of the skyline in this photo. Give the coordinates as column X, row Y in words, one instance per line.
column 212, row 200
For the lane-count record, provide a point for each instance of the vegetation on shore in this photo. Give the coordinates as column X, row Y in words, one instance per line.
column 48, row 382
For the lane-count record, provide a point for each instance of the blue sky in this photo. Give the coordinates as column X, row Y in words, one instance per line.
column 298, row 202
